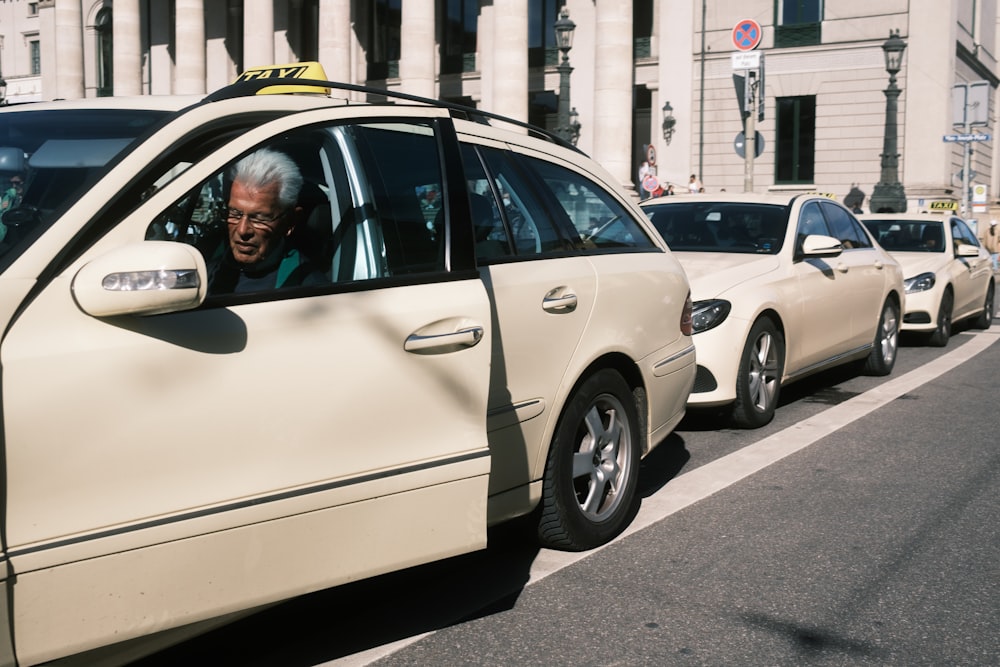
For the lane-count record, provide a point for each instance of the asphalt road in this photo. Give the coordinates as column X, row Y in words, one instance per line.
column 860, row 527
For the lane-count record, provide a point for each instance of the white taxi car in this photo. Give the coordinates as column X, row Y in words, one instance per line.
column 783, row 287
column 259, row 345
column 949, row 275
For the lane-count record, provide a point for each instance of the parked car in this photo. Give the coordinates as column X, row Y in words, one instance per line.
column 225, row 385
column 783, row 286
column 948, row 274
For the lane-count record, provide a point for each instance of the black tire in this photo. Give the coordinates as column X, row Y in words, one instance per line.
column 758, row 380
column 985, row 319
column 940, row 336
column 883, row 355
column 593, row 466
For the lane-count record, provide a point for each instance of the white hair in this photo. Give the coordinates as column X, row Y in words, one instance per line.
column 266, row 166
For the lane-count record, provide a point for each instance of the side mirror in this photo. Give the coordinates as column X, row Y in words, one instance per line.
column 967, row 250
column 144, row 278
column 817, row 245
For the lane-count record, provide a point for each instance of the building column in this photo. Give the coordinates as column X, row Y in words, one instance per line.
column 127, row 66
column 416, row 58
column 613, row 88
column 335, row 40
column 68, row 65
column 510, row 59
column 189, row 75
column 258, row 33
column 220, row 70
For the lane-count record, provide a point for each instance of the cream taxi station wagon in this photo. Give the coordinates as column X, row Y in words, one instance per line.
column 256, row 345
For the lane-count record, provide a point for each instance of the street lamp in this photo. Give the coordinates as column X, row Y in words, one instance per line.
column 569, row 123
column 668, row 122
column 888, row 195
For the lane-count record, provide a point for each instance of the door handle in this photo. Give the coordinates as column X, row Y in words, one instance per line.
column 878, row 264
column 446, row 342
column 842, row 267
column 563, row 303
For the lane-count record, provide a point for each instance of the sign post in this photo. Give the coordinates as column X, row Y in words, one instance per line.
column 970, row 105
column 746, row 37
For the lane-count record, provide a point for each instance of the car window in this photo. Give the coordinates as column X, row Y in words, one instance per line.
column 530, row 223
column 596, row 220
column 492, row 237
column 356, row 215
column 962, row 233
column 53, row 156
column 844, row 227
column 734, row 227
column 897, row 235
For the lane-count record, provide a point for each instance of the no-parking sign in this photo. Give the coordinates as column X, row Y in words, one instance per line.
column 746, row 35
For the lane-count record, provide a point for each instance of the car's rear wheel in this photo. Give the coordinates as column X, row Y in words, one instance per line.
column 985, row 318
column 939, row 337
column 882, row 357
column 593, row 466
column 758, row 380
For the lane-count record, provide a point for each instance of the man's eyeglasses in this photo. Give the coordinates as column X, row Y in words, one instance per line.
column 261, row 222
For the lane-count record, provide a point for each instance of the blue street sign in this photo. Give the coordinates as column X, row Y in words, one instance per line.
column 967, row 137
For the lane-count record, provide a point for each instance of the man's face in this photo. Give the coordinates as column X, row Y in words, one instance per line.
column 256, row 222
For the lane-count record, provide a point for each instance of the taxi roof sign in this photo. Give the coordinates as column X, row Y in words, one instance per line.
column 303, row 70
column 943, row 205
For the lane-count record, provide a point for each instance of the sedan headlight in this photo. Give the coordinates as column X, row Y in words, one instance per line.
column 709, row 314
column 920, row 283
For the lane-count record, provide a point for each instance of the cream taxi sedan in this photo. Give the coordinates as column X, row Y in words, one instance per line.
column 949, row 276
column 783, row 287
column 257, row 345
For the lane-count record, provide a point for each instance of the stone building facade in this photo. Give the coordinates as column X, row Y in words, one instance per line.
column 823, row 100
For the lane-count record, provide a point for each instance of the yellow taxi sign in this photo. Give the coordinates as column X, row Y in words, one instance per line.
column 943, row 206
column 303, row 70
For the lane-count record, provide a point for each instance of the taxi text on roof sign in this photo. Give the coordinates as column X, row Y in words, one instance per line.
column 303, row 70
column 943, row 206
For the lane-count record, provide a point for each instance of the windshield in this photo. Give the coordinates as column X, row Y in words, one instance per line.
column 735, row 227
column 908, row 235
column 48, row 158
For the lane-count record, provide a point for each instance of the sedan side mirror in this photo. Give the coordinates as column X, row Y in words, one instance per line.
column 144, row 278
column 967, row 250
column 817, row 245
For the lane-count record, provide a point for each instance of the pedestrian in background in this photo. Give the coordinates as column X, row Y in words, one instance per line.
column 991, row 241
column 643, row 173
column 694, row 185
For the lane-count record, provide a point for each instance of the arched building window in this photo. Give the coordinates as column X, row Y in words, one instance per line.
column 105, row 53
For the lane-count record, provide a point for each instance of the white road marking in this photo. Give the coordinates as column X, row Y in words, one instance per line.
column 702, row 482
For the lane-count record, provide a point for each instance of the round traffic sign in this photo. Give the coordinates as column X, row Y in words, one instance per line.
column 739, row 144
column 746, row 35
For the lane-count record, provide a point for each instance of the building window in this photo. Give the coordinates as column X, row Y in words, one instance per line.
column 797, row 22
column 642, row 28
column 105, row 54
column 458, row 38
column 32, row 9
column 35, row 49
column 542, row 48
column 795, row 153
column 386, row 17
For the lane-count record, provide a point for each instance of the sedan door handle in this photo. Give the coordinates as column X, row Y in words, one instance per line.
column 842, row 267
column 446, row 342
column 878, row 264
column 559, row 301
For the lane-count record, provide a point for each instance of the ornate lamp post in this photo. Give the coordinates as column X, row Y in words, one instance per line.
column 668, row 122
column 569, row 123
column 888, row 195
